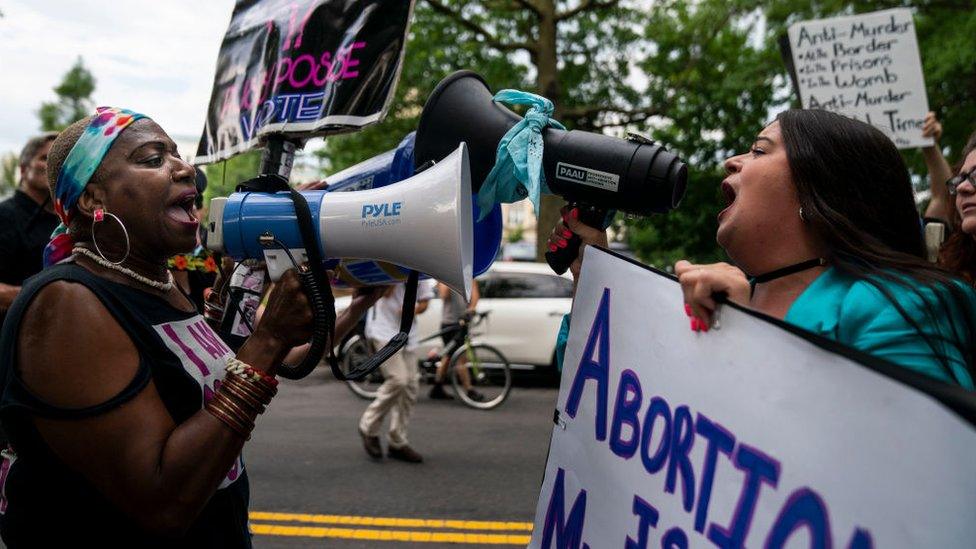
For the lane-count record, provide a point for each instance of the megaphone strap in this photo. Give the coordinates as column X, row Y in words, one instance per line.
column 395, row 344
column 517, row 173
column 319, row 294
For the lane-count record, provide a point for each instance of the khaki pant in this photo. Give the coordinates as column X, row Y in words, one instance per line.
column 396, row 396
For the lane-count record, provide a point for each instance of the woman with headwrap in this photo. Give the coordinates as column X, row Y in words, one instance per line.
column 126, row 413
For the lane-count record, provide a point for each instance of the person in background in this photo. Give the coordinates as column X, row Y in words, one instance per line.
column 454, row 309
column 196, row 272
column 397, row 395
column 958, row 254
column 820, row 211
column 27, row 220
column 940, row 206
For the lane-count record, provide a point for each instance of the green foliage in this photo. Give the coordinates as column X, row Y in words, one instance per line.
column 435, row 49
column 74, row 99
column 9, row 169
column 223, row 177
column 713, row 83
column 515, row 235
column 718, row 104
column 946, row 41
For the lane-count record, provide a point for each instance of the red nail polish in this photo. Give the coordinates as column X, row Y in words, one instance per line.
column 687, row 309
column 704, row 326
column 563, row 243
column 575, row 213
column 552, row 247
column 567, row 233
column 693, row 322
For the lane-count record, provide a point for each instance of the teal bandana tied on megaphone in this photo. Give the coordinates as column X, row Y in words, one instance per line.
column 517, row 173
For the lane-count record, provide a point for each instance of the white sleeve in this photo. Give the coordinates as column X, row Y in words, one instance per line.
column 425, row 289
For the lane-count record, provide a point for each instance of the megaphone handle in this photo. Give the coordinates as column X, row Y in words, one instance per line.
column 562, row 258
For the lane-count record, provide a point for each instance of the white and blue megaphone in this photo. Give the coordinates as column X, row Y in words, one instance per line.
column 376, row 221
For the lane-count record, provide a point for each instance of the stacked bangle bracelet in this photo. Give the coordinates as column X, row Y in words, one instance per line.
column 244, row 393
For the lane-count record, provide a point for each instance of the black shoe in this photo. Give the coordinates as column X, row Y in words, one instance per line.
column 475, row 395
column 405, row 453
column 437, row 392
column 372, row 446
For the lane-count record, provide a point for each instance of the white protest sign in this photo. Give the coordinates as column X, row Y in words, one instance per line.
column 745, row 436
column 864, row 66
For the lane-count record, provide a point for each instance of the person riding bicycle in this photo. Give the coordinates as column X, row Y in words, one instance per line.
column 454, row 310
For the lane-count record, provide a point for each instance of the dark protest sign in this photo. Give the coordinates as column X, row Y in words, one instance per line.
column 864, row 66
column 303, row 68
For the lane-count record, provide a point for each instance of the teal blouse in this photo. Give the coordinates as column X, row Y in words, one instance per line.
column 856, row 313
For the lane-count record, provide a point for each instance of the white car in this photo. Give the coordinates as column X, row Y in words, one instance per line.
column 526, row 301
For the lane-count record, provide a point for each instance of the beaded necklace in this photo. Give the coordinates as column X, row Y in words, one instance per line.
column 164, row 286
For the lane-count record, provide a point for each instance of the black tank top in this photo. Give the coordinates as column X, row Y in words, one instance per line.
column 44, row 502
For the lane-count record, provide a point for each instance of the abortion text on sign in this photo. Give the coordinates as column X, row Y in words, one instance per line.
column 744, row 436
column 866, row 67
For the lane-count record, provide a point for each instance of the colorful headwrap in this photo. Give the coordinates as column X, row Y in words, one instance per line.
column 85, row 157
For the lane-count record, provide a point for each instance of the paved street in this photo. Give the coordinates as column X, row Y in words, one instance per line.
column 312, row 484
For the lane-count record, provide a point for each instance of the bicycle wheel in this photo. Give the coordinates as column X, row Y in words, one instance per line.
column 356, row 350
column 489, row 372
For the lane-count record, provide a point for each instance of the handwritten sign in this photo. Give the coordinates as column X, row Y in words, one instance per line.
column 864, row 66
column 303, row 68
column 749, row 435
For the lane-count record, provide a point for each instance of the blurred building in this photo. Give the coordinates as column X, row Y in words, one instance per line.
column 518, row 220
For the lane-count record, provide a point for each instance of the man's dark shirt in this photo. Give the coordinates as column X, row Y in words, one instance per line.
column 25, row 228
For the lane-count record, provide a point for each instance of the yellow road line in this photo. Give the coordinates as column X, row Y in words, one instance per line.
column 387, row 535
column 390, row 521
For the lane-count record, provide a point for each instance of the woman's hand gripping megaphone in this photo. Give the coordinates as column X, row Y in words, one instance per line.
column 571, row 235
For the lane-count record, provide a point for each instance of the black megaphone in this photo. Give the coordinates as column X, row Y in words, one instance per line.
column 592, row 171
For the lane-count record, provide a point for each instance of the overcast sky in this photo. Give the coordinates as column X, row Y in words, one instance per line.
column 154, row 57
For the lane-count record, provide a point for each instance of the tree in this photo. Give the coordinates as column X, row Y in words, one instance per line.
column 701, row 77
column 545, row 46
column 74, row 99
column 223, row 177
column 726, row 100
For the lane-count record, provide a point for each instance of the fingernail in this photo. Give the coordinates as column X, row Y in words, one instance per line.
column 552, row 247
column 567, row 233
column 704, row 326
column 575, row 213
column 687, row 309
column 693, row 322
column 563, row 243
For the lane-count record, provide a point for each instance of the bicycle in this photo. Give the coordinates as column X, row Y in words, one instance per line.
column 487, row 368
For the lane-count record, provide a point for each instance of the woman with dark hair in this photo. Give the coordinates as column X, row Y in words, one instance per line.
column 820, row 213
column 126, row 413
column 958, row 254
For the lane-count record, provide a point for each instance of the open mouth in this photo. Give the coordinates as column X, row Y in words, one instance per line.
column 182, row 210
column 728, row 193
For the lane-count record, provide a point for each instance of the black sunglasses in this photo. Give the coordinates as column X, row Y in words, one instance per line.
column 953, row 184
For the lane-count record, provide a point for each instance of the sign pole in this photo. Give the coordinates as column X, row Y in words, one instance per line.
column 278, row 156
